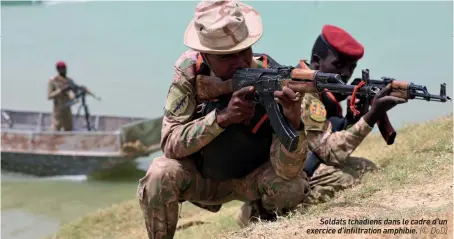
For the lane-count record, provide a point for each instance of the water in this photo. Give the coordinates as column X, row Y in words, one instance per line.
column 125, row 51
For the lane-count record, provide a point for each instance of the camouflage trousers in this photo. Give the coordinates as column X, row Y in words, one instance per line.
column 327, row 180
column 169, row 181
column 324, row 183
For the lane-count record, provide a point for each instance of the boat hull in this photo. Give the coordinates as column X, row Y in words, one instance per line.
column 45, row 165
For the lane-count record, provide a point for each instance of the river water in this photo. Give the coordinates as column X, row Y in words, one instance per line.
column 125, row 51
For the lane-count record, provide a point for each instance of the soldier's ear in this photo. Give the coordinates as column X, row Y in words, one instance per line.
column 315, row 61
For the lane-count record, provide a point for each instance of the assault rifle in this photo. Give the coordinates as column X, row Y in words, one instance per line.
column 81, row 90
column 80, row 93
column 401, row 89
column 267, row 81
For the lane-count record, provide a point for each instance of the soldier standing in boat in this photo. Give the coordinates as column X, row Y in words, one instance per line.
column 59, row 90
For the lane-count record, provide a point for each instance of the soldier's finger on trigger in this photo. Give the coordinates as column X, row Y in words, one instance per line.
column 243, row 92
column 289, row 92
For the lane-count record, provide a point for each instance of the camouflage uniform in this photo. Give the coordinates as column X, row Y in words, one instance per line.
column 326, row 179
column 330, row 178
column 174, row 177
column 61, row 116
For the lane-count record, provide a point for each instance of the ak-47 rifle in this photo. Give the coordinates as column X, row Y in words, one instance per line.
column 267, row 81
column 401, row 89
column 80, row 93
column 81, row 90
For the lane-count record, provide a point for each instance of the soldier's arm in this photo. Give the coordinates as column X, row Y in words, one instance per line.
column 182, row 135
column 331, row 147
column 288, row 165
column 52, row 91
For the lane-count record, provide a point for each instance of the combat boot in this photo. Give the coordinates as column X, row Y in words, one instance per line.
column 252, row 212
column 246, row 214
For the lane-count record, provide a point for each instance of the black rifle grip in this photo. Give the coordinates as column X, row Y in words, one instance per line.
column 284, row 130
column 386, row 129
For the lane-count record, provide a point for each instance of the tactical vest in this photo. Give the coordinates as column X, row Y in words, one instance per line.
column 241, row 148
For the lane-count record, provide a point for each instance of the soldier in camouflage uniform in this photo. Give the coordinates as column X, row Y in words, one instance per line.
column 211, row 156
column 334, row 51
column 58, row 90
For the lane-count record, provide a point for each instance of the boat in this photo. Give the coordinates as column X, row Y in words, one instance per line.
column 6, row 3
column 30, row 147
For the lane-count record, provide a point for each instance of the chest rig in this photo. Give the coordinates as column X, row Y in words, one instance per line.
column 240, row 149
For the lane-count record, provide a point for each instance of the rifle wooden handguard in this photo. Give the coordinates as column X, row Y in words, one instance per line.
column 400, row 89
column 303, row 74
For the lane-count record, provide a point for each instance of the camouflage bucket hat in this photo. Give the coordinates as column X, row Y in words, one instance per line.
column 223, row 27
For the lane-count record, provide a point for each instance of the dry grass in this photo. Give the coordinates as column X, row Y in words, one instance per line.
column 415, row 183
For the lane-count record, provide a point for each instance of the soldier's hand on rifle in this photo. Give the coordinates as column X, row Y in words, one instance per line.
column 382, row 103
column 291, row 105
column 359, row 105
column 240, row 108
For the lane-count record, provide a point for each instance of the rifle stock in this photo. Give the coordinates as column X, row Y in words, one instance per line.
column 210, row 87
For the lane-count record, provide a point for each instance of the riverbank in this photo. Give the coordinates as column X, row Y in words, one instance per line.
column 415, row 183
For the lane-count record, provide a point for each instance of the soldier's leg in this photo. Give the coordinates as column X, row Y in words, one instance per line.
column 252, row 209
column 169, row 181
column 267, row 195
column 55, row 124
column 328, row 180
column 67, row 123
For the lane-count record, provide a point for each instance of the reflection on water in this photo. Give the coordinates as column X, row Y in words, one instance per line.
column 35, row 207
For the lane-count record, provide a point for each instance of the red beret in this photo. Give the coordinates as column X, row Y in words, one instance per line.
column 60, row 64
column 342, row 42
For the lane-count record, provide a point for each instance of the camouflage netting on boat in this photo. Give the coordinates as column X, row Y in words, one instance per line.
column 142, row 138
column 137, row 149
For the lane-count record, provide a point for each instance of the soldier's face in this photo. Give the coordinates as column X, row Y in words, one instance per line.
column 61, row 70
column 224, row 66
column 339, row 65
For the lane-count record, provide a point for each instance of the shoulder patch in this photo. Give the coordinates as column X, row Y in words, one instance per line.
column 317, row 111
column 179, row 105
column 177, row 101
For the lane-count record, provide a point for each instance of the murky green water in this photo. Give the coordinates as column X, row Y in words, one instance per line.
column 34, row 207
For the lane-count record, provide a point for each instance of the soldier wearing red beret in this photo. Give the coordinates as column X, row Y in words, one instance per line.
column 335, row 51
column 60, row 92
